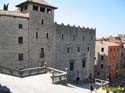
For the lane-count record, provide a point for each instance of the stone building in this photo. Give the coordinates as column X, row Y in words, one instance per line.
column 110, row 57
column 107, row 60
column 29, row 38
column 120, row 39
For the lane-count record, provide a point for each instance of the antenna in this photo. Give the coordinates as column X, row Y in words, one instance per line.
column 5, row 6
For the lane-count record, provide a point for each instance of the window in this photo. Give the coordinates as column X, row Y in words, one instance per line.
column 21, row 9
column 102, row 49
column 78, row 49
column 42, row 21
column 36, row 35
column 122, row 46
column 20, row 26
column 47, row 35
column 83, row 63
column 20, row 56
column 88, row 48
column 20, row 40
column 42, row 9
column 68, row 49
column 83, row 38
column 124, row 65
column 73, row 37
column 42, row 63
column 72, row 65
column 98, row 73
column 62, row 37
column 101, row 66
column 91, row 38
column 49, row 11
column 110, row 50
column 35, row 7
column 42, row 53
column 122, row 54
column 25, row 7
column 102, row 58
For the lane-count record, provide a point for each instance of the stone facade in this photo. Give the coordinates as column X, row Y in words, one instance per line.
column 43, row 41
column 9, row 46
column 75, row 44
column 107, row 63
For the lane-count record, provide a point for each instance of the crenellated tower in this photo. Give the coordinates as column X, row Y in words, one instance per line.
column 41, row 31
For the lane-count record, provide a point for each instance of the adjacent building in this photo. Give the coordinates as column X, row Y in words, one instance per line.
column 110, row 58
column 107, row 60
column 30, row 38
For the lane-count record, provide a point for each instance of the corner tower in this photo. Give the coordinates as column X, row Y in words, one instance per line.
column 39, row 6
column 41, row 31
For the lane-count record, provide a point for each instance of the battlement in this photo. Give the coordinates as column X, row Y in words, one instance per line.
column 68, row 26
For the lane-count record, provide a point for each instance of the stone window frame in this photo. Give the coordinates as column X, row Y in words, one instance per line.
column 20, row 26
column 84, row 62
column 101, row 66
column 102, row 58
column 37, row 35
column 83, row 38
column 49, row 11
column 47, row 35
column 42, row 53
column 62, row 36
column 42, row 21
column 68, row 49
column 88, row 48
column 102, row 49
column 74, row 37
column 20, row 56
column 35, row 8
column 78, row 49
column 71, row 64
column 42, row 9
column 20, row 40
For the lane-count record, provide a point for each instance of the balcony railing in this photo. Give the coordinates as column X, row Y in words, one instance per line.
column 57, row 76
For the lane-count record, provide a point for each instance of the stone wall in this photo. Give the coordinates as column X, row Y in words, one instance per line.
column 74, row 37
column 80, row 40
column 9, row 47
column 35, row 44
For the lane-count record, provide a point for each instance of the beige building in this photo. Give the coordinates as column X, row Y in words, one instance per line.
column 29, row 38
column 107, row 60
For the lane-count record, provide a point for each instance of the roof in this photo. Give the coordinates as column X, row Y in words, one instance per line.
column 108, row 43
column 14, row 14
column 41, row 2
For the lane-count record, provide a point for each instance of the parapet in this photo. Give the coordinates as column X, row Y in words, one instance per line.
column 68, row 26
column 13, row 14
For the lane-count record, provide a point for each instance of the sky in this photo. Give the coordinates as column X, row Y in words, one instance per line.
column 107, row 16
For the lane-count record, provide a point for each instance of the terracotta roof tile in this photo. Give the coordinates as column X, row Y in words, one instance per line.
column 108, row 43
